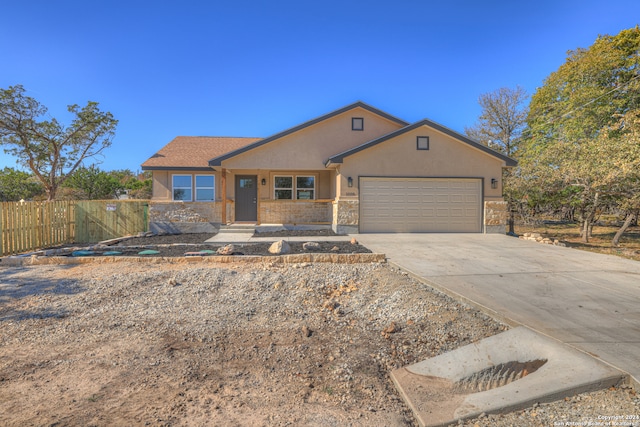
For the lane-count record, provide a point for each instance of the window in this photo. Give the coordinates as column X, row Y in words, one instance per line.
column 304, row 189
column 283, row 188
column 182, row 187
column 423, row 143
column 205, row 189
column 357, row 123
column 246, row 182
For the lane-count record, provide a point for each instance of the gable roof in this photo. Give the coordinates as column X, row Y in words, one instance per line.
column 217, row 160
column 339, row 158
column 192, row 152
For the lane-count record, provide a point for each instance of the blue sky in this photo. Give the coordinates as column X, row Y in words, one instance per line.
column 254, row 68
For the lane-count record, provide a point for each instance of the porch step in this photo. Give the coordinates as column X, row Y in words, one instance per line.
column 237, row 228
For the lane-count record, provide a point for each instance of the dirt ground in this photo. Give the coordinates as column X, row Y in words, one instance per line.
column 600, row 241
column 133, row 344
column 226, row 345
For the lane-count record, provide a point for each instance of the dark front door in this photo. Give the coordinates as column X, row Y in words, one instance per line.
column 246, row 198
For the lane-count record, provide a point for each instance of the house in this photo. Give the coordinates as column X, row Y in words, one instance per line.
column 358, row 169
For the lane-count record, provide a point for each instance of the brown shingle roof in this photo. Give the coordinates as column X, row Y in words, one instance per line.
column 194, row 152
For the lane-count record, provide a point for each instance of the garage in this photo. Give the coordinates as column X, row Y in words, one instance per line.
column 428, row 205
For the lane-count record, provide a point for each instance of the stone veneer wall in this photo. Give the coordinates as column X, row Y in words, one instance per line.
column 346, row 216
column 185, row 217
column 495, row 217
column 294, row 212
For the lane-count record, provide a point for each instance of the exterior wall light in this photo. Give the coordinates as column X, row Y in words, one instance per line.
column 350, row 182
column 264, row 181
column 494, row 183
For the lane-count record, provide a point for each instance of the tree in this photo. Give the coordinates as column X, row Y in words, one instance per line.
column 629, row 188
column 580, row 125
column 17, row 185
column 502, row 120
column 590, row 91
column 138, row 185
column 500, row 126
column 93, row 184
column 598, row 171
column 50, row 150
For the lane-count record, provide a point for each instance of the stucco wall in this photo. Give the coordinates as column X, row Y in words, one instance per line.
column 324, row 182
column 161, row 185
column 398, row 157
column 309, row 148
column 325, row 186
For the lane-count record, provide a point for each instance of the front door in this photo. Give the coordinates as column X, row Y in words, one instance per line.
column 246, row 198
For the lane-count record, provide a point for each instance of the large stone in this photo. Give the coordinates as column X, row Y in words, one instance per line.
column 311, row 246
column 279, row 248
column 346, row 216
column 495, row 217
column 226, row 250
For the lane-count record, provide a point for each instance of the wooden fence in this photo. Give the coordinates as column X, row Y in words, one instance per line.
column 29, row 226
column 98, row 220
column 25, row 226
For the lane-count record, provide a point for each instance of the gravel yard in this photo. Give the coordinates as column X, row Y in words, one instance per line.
column 234, row 345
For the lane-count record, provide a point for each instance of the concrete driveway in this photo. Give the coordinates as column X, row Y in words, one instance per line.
column 589, row 301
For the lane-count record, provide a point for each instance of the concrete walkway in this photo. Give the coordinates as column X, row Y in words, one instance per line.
column 248, row 238
column 589, row 301
column 246, row 233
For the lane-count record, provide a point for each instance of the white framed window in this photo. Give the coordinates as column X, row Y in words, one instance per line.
column 205, row 188
column 283, row 187
column 305, row 187
column 182, row 188
column 294, row 187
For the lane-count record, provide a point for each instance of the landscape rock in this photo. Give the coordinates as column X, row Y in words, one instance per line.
column 391, row 329
column 279, row 248
column 330, row 305
column 537, row 237
column 354, row 241
column 311, row 246
column 226, row 250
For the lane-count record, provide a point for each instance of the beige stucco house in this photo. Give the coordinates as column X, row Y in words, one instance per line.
column 358, row 169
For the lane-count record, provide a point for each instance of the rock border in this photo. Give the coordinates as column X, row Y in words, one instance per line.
column 537, row 237
column 216, row 259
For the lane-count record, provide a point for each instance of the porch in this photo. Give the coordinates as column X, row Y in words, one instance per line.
column 205, row 217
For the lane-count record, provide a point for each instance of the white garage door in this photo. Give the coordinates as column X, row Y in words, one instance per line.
column 406, row 205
